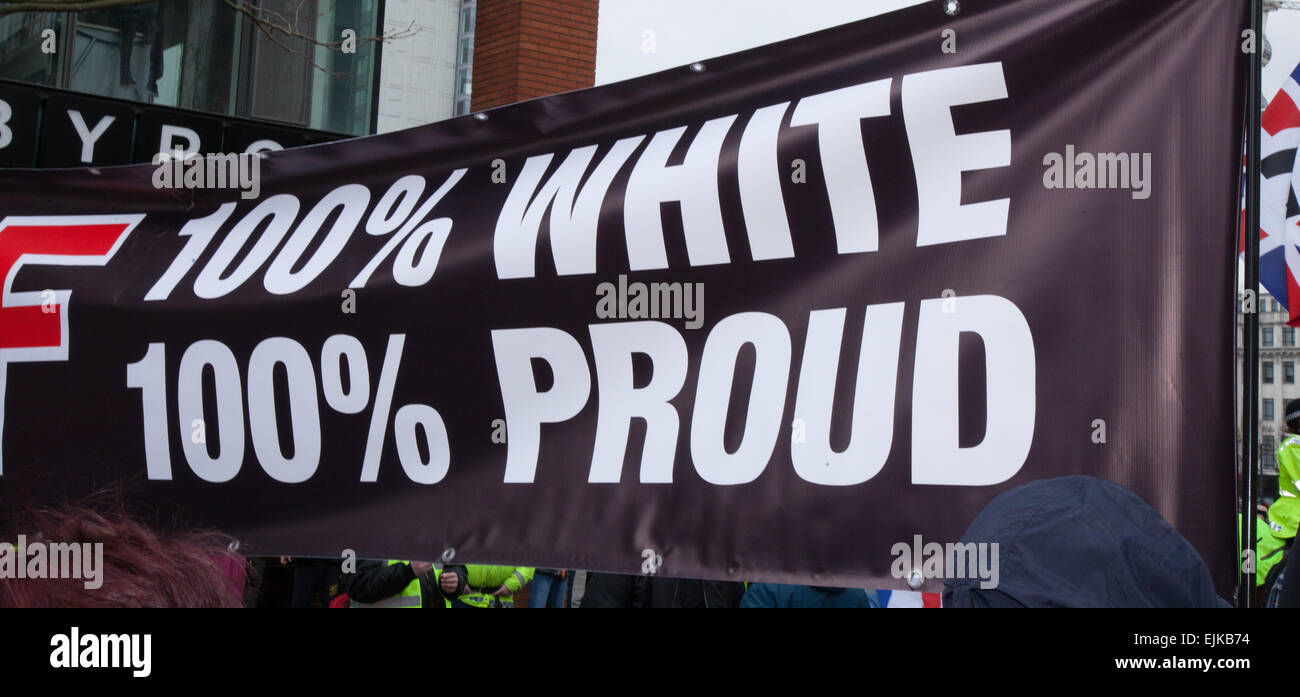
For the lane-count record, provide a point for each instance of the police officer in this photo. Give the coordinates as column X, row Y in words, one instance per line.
column 1273, row 540
column 398, row 583
column 489, row 586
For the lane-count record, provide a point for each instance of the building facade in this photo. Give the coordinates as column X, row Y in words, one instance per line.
column 1279, row 360
column 122, row 83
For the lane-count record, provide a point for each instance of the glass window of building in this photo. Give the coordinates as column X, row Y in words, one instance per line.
column 25, row 38
column 1267, row 451
column 1268, row 372
column 1268, row 336
column 170, row 53
column 334, row 89
column 1288, row 336
column 1268, row 410
column 209, row 56
column 1288, row 372
column 465, row 58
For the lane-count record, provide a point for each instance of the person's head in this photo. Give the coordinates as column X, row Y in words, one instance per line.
column 1081, row 542
column 122, row 563
column 1292, row 416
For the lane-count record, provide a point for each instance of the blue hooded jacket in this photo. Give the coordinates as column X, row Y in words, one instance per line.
column 1082, row 542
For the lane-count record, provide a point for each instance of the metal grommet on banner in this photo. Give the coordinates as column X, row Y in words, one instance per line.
column 480, row 116
column 448, row 554
column 233, row 547
column 915, row 579
column 697, row 67
column 951, row 7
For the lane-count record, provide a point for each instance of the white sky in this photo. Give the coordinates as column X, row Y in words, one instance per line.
column 637, row 37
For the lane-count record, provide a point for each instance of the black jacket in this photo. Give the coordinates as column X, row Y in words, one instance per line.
column 375, row 580
column 619, row 590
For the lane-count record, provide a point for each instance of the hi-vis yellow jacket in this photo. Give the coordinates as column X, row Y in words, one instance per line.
column 1284, row 514
column 484, row 580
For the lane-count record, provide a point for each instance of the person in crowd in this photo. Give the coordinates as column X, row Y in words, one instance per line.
column 770, row 595
column 488, row 586
column 1273, row 538
column 1271, row 545
column 1082, row 542
column 397, row 583
column 1275, row 596
column 548, row 588
column 140, row 566
column 621, row 590
column 313, row 579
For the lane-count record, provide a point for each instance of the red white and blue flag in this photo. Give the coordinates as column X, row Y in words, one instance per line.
column 1279, row 210
column 906, row 599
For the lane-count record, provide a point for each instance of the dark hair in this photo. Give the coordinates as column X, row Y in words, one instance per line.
column 140, row 567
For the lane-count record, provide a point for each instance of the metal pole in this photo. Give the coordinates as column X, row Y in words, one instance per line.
column 1250, row 368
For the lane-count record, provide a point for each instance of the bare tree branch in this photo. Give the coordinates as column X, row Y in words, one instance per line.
column 271, row 23
column 269, row 20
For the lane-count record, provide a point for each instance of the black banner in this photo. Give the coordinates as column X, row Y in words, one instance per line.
column 767, row 317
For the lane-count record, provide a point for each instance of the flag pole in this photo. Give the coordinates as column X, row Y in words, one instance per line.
column 1250, row 367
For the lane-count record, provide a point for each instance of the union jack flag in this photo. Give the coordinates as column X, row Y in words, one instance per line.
column 1279, row 209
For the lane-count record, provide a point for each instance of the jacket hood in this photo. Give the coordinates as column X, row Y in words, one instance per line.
column 1082, row 542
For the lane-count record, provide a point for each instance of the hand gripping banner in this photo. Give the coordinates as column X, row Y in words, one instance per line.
column 760, row 318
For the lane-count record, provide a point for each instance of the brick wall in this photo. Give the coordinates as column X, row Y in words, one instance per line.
column 531, row 48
